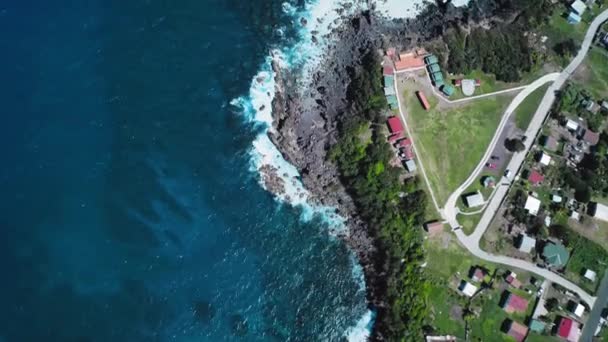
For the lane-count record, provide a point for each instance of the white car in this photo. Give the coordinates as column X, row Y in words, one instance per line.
column 508, row 174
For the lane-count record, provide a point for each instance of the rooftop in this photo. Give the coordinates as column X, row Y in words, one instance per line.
column 536, row 177
column 518, row 331
column 467, row 288
column 579, row 7
column 601, row 212
column 526, row 243
column 556, row 254
column 545, row 159
column 591, row 137
column 474, row 200
column 532, row 205
column 515, row 303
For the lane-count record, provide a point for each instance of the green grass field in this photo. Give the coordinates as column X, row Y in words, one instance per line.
column 525, row 111
column 450, row 142
column 585, row 254
column 593, row 76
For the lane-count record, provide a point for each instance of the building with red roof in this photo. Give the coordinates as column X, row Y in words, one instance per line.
column 535, row 177
column 405, row 145
column 591, row 138
column 423, row 100
column 388, row 71
column 394, row 137
column 394, row 125
column 569, row 329
column 513, row 281
column 517, row 330
column 434, row 228
column 515, row 303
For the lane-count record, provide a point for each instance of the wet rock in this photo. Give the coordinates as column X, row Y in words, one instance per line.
column 204, row 311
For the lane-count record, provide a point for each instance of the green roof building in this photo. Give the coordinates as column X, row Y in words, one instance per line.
column 437, row 76
column 392, row 100
column 434, row 68
column 447, row 89
column 556, row 254
column 537, row 326
column 432, row 59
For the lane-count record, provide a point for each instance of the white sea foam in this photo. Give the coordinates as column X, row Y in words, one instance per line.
column 403, row 9
column 321, row 17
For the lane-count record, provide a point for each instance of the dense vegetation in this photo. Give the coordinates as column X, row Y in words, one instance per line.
column 504, row 49
column 393, row 208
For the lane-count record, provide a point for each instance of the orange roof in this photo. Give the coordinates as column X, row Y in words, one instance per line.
column 409, row 60
column 434, row 228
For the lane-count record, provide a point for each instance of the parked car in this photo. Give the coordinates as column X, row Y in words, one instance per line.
column 508, row 173
column 491, row 165
column 495, row 157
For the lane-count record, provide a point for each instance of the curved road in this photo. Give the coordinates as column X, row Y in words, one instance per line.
column 471, row 242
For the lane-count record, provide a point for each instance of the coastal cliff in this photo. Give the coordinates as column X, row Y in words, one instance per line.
column 307, row 118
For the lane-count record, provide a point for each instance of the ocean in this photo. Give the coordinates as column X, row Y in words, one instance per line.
column 132, row 206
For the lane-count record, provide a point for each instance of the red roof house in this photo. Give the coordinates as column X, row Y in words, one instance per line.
column 511, row 280
column 569, row 329
column 434, row 228
column 394, row 125
column 515, row 303
column 518, row 331
column 423, row 100
column 407, row 142
column 535, row 177
column 395, row 137
column 388, row 71
column 478, row 274
column 591, row 137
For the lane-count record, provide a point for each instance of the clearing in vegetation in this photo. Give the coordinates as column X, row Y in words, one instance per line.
column 451, row 139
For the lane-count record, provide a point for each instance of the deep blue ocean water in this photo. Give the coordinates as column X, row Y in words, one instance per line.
column 129, row 211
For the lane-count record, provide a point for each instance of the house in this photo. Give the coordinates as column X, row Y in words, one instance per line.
column 447, row 90
column 544, row 159
column 550, row 143
column 437, row 78
column 537, row 326
column 572, row 125
column 591, row 138
column 517, row 330
column 532, row 205
column 575, row 215
column 556, row 255
column 535, row 177
column 556, row 198
column 477, row 274
column 577, row 309
column 389, row 81
column 512, row 280
column 604, row 105
column 592, row 106
column 434, row 228
column 574, row 18
column 514, row 303
column 389, row 91
column 388, row 71
column 526, row 243
column 410, row 60
column 394, row 125
column 423, row 101
column 410, row 165
column 489, row 182
column 467, row 288
column 474, row 200
column 590, row 275
column 405, row 147
column 598, row 211
column 578, row 7
column 569, row 329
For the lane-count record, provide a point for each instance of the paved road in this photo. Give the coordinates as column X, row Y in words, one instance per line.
column 594, row 317
column 471, row 242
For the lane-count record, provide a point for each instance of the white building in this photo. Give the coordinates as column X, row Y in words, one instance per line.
column 572, row 125
column 532, row 205
column 579, row 310
column 591, row 275
column 474, row 200
column 545, row 159
column 467, row 288
column 579, row 7
column 526, row 244
column 601, row 212
column 556, row 199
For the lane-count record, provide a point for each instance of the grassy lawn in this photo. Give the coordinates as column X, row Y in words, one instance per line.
column 585, row 254
column 525, row 111
column 469, row 222
column 534, row 337
column 451, row 141
column 593, row 74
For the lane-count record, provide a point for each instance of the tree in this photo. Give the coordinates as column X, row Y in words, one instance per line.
column 558, row 231
column 583, row 194
column 551, row 304
column 515, row 145
column 566, row 48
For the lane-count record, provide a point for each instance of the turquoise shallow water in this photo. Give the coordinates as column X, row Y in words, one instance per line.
column 129, row 208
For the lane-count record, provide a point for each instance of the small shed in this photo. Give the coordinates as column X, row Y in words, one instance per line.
column 410, row 165
column 434, row 228
column 431, row 59
column 489, row 182
column 434, row 68
column 600, row 212
column 578, row 309
column 537, row 326
column 448, row 90
column 468, row 87
column 590, row 275
column 467, row 288
column 388, row 71
column 394, row 125
column 544, row 159
column 474, row 200
column 572, row 125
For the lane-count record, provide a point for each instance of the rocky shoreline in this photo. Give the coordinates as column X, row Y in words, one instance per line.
column 306, row 119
